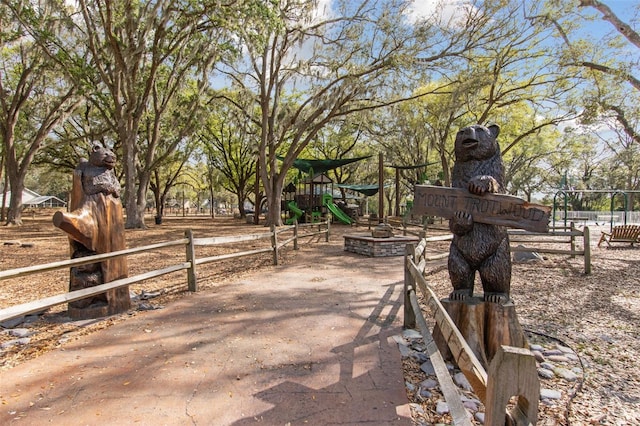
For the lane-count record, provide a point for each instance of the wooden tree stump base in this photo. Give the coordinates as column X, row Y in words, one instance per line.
column 484, row 325
column 89, row 312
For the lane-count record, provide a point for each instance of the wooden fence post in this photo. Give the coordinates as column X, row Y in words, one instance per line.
column 586, row 234
column 573, row 229
column 274, row 244
column 295, row 234
column 512, row 373
column 326, row 238
column 409, row 285
column 191, row 258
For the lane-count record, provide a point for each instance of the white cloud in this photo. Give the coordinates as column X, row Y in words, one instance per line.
column 442, row 12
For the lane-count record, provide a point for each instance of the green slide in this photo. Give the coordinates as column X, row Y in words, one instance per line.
column 327, row 200
column 296, row 211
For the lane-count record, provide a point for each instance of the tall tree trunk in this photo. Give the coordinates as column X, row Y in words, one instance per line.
column 4, row 188
column 14, row 215
column 273, row 201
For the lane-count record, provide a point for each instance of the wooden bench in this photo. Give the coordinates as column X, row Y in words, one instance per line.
column 621, row 234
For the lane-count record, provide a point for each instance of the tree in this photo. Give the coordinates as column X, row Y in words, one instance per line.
column 145, row 55
column 228, row 142
column 341, row 139
column 306, row 69
column 608, row 65
column 34, row 97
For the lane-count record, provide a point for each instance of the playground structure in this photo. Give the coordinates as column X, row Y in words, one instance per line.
column 312, row 200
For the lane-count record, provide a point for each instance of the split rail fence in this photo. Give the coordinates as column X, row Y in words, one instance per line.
column 277, row 235
column 520, row 241
column 512, row 371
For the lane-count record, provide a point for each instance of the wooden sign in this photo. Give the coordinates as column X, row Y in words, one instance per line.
column 492, row 209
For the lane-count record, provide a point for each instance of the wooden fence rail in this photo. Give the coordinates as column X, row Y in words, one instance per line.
column 539, row 240
column 512, row 371
column 189, row 265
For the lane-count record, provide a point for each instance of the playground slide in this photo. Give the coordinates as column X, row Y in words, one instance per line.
column 337, row 212
column 296, row 211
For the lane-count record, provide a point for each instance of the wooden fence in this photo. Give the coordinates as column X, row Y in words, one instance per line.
column 561, row 235
column 189, row 243
column 512, row 371
column 536, row 242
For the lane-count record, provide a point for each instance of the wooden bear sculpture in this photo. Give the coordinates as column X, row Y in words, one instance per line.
column 95, row 225
column 490, row 321
column 477, row 246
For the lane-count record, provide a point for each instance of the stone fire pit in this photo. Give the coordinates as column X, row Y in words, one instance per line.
column 377, row 246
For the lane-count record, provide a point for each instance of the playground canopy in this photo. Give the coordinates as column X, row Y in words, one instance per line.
column 367, row 190
column 322, row 166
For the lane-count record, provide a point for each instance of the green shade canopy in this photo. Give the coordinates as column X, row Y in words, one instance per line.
column 417, row 166
column 367, row 190
column 322, row 166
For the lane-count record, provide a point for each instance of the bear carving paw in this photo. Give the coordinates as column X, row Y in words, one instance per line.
column 460, row 295
column 500, row 298
column 483, row 184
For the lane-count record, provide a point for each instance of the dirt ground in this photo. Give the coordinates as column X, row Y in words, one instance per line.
column 595, row 315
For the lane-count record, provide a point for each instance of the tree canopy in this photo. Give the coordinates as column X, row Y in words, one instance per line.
column 245, row 88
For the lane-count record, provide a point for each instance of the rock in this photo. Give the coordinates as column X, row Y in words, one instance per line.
column 427, row 367
column 405, row 351
column 526, row 256
column 479, row 417
column 15, row 342
column 149, row 295
column 419, row 356
column 462, row 381
column 442, row 407
column 429, row 384
column 20, row 332
column 545, row 373
column 550, row 394
column 411, row 334
column 564, row 349
column 425, row 393
column 548, row 366
column 148, row 307
column 536, row 348
column 418, row 347
column 383, row 230
column 12, row 322
column 550, row 352
column 410, row 386
column 566, row 374
column 558, row 358
column 470, row 405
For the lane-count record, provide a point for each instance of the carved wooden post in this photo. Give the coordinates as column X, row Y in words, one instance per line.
column 95, row 225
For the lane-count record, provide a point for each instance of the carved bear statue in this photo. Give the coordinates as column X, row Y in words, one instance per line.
column 97, row 173
column 477, row 246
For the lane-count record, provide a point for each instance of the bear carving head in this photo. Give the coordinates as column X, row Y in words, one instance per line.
column 477, row 142
column 101, row 156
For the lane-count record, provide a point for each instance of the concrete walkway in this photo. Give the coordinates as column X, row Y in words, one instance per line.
column 305, row 343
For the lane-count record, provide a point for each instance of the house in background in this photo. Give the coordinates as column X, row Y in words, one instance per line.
column 31, row 199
